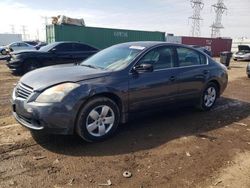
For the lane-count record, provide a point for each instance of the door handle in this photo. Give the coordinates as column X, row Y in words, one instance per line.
column 172, row 78
column 205, row 71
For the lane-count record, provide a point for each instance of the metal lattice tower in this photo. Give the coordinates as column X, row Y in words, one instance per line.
column 197, row 6
column 219, row 9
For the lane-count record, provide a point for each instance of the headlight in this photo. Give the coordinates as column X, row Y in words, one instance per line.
column 15, row 56
column 56, row 93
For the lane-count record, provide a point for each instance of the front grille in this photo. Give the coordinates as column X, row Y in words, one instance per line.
column 23, row 91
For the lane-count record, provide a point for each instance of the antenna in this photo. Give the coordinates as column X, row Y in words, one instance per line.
column 197, row 6
column 219, row 9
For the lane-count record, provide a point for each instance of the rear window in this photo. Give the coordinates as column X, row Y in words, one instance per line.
column 188, row 57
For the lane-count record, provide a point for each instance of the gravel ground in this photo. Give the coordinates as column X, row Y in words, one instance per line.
column 177, row 148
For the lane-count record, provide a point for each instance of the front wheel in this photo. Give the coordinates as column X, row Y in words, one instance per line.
column 209, row 97
column 98, row 119
column 4, row 52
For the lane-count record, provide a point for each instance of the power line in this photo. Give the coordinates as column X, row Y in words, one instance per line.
column 197, row 6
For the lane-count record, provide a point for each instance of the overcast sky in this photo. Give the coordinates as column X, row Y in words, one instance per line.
column 170, row 16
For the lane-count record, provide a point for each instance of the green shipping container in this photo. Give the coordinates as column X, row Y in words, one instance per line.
column 99, row 37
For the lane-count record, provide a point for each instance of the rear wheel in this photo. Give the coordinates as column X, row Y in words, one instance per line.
column 209, row 97
column 98, row 119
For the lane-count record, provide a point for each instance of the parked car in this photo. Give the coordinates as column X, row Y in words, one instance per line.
column 203, row 49
column 32, row 43
column 3, row 50
column 17, row 46
column 40, row 44
column 52, row 54
column 93, row 97
column 243, row 53
column 248, row 70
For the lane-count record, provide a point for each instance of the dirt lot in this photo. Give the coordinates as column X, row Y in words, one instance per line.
column 179, row 148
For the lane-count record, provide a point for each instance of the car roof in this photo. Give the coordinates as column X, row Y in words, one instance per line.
column 72, row 42
column 149, row 44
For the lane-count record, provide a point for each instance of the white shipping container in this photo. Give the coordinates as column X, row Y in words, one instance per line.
column 6, row 39
column 174, row 39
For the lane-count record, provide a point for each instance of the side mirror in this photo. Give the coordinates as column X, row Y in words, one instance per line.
column 53, row 50
column 144, row 68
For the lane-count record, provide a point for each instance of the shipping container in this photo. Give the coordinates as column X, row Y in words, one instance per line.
column 174, row 39
column 6, row 39
column 216, row 45
column 99, row 37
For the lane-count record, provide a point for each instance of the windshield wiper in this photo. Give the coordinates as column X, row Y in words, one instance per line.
column 90, row 66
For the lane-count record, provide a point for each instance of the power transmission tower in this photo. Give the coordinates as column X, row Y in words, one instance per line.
column 197, row 6
column 24, row 32
column 46, row 20
column 12, row 27
column 219, row 9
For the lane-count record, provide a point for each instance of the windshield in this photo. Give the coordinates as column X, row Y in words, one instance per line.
column 47, row 47
column 113, row 58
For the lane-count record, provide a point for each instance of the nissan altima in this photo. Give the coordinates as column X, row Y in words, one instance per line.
column 95, row 96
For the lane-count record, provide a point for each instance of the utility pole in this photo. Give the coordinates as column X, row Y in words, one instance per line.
column 37, row 34
column 197, row 6
column 219, row 9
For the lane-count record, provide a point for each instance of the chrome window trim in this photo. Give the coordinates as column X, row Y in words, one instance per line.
column 175, row 46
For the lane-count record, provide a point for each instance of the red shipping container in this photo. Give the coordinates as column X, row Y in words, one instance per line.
column 216, row 45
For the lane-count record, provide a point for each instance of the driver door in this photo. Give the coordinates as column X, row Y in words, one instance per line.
column 149, row 89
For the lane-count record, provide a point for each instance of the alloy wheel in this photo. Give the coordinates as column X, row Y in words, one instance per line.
column 210, row 97
column 100, row 120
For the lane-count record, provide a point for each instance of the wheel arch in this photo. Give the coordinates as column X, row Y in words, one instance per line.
column 112, row 96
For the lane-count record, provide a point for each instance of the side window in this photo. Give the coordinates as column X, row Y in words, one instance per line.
column 23, row 45
column 65, row 47
column 83, row 47
column 14, row 45
column 189, row 57
column 203, row 59
column 160, row 58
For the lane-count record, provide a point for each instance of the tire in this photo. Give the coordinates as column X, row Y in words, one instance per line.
column 91, row 119
column 248, row 75
column 30, row 65
column 4, row 52
column 209, row 97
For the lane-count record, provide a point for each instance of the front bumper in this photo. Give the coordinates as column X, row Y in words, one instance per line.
column 15, row 65
column 54, row 118
column 241, row 57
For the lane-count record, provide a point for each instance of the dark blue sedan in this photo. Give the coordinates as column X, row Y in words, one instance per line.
column 95, row 96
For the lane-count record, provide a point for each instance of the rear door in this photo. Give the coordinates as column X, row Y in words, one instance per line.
column 82, row 51
column 193, row 70
column 64, row 53
column 150, row 89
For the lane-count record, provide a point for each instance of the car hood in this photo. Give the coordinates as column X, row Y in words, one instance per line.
column 45, row 77
column 243, row 48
